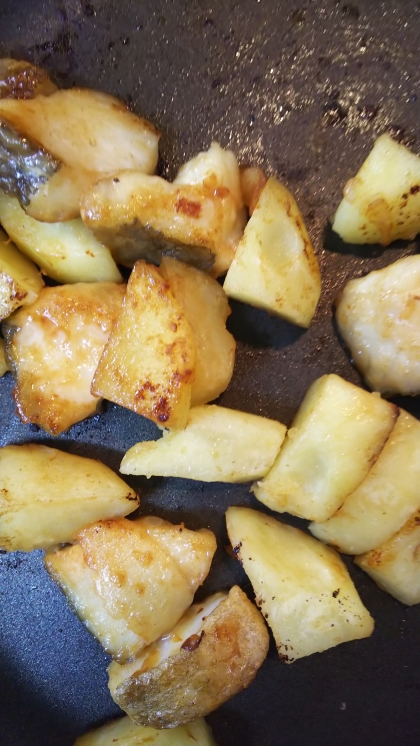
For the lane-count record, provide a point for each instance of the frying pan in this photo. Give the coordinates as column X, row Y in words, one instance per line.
column 300, row 88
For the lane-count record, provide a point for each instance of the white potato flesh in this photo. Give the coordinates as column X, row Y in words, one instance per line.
column 395, row 565
column 253, row 180
column 54, row 347
column 126, row 733
column 382, row 202
column 20, row 279
column 47, row 496
column 302, row 587
column 217, row 445
column 216, row 168
column 336, row 436
column 67, row 252
column 275, row 266
column 4, row 367
column 86, row 129
column 148, row 362
column 386, row 498
column 379, row 319
column 133, row 580
column 206, row 308
column 185, row 634
column 146, row 217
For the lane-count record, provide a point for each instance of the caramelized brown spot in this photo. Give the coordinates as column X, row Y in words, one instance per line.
column 192, row 642
column 188, row 207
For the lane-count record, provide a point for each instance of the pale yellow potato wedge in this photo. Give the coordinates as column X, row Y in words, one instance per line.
column 379, row 319
column 131, row 581
column 126, row 733
column 206, row 308
column 20, row 279
column 22, row 79
column 336, row 436
column 217, row 445
column 387, row 497
column 54, row 347
column 58, row 198
column 148, row 362
column 395, row 564
column 146, row 217
column 382, row 202
column 209, row 668
column 4, row 367
column 275, row 266
column 67, row 252
column 47, row 496
column 302, row 587
column 86, row 129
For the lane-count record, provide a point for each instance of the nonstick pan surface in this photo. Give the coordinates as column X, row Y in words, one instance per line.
column 302, row 89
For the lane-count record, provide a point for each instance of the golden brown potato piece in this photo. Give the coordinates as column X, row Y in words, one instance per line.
column 378, row 316
column 86, row 129
column 20, row 279
column 53, row 348
column 21, row 79
column 148, row 362
column 302, row 587
column 131, row 581
column 206, row 308
column 210, row 668
column 47, row 496
column 4, row 367
column 125, row 733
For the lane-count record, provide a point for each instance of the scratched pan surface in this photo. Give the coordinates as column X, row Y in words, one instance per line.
column 301, row 88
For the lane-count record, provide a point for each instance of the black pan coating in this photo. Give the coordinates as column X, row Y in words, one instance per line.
column 300, row 88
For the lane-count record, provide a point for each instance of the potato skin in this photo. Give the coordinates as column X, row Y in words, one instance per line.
column 191, row 684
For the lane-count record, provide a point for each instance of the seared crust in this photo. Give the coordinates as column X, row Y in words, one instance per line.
column 192, row 683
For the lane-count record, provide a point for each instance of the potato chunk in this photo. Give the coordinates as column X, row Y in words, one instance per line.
column 22, row 79
column 125, row 733
column 54, row 347
column 20, row 279
column 382, row 202
column 47, row 496
column 206, row 308
column 302, row 587
column 212, row 665
column 275, row 266
column 336, row 436
column 395, row 565
column 67, row 252
column 148, row 362
column 217, row 445
column 131, row 581
column 146, row 217
column 386, row 498
column 86, row 129
column 379, row 319
column 4, row 367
